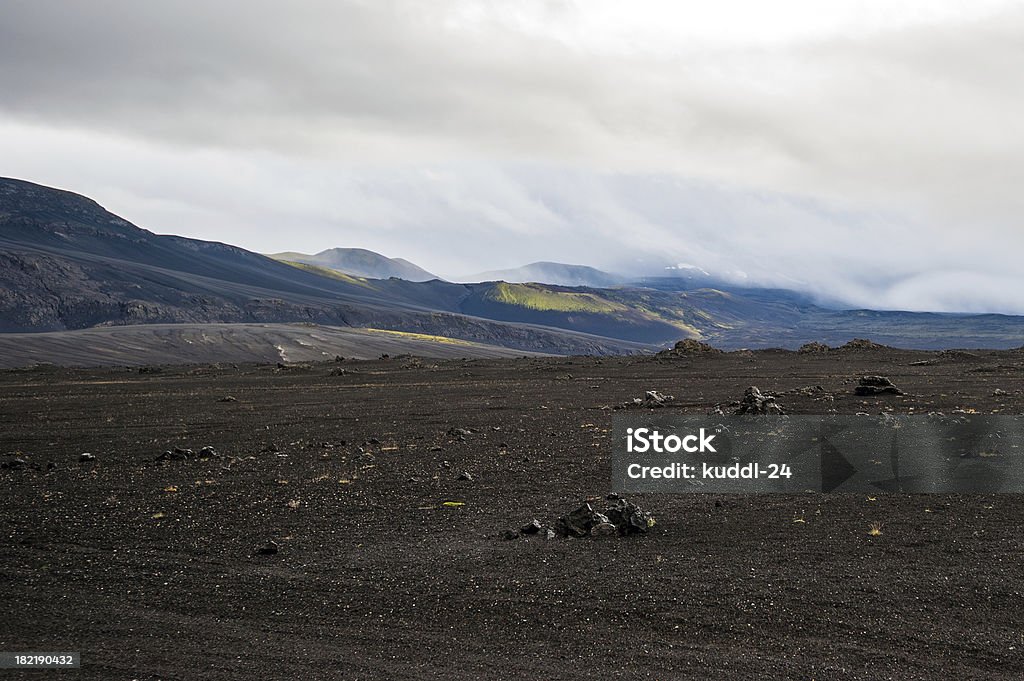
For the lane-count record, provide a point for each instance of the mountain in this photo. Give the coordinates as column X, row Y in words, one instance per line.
column 67, row 264
column 556, row 273
column 360, row 262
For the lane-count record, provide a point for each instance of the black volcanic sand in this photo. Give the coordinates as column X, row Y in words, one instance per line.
column 151, row 570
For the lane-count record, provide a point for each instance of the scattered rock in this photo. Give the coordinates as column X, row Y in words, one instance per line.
column 876, row 385
column 629, row 518
column 532, row 527
column 459, row 434
column 652, row 399
column 862, row 344
column 176, row 454
column 580, row 522
column 269, row 549
column 86, row 457
column 807, row 390
column 622, row 518
column 813, row 347
column 756, row 402
column 464, row 476
column 690, row 346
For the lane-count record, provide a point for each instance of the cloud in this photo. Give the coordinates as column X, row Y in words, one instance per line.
column 866, row 151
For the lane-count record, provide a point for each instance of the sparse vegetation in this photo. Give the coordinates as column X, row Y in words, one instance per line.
column 542, row 298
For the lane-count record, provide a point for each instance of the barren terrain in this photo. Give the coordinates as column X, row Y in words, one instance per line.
column 153, row 570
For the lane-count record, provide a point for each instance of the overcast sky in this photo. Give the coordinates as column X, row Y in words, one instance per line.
column 872, row 151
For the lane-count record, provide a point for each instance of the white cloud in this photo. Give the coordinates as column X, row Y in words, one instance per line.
column 867, row 150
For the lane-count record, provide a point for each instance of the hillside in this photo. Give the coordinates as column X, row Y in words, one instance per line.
column 556, row 273
column 360, row 262
column 67, row 264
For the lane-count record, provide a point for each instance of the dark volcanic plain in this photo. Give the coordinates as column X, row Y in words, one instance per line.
column 151, row 569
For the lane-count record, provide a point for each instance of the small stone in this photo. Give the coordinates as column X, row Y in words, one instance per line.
column 465, row 476
column 532, row 527
column 876, row 385
column 269, row 549
column 85, row 457
column 509, row 535
column 228, row 398
column 549, row 533
column 208, row 452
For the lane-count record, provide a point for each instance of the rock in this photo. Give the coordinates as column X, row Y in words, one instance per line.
column 227, row 398
column 620, row 518
column 652, row 399
column 86, row 457
column 465, row 476
column 509, row 535
column 176, row 454
column 755, row 402
column 813, row 347
column 862, row 344
column 269, row 549
column 690, row 346
column 579, row 522
column 532, row 527
column 876, row 385
column 999, row 392
column 14, row 463
column 208, row 452
column 339, row 372
column 628, row 518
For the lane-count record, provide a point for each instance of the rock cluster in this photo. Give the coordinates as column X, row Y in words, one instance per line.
column 862, row 344
column 756, row 402
column 690, row 346
column 813, row 347
column 876, row 385
column 651, row 399
column 180, row 454
column 620, row 518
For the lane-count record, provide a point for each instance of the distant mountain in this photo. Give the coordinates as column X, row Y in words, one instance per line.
column 555, row 273
column 360, row 262
column 67, row 264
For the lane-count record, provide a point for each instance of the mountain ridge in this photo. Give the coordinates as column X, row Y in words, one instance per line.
column 360, row 262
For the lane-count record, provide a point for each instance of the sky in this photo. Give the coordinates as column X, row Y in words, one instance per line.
column 868, row 152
